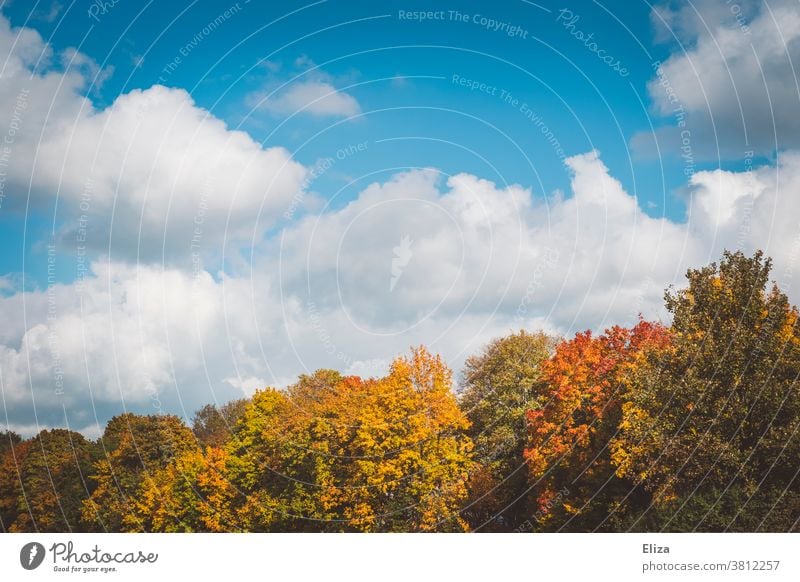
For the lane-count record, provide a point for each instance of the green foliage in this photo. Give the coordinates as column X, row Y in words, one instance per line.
column 134, row 448
column 499, row 386
column 710, row 422
column 44, row 482
column 213, row 425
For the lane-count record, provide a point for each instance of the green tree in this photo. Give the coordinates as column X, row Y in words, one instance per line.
column 265, row 458
column 710, row 427
column 498, row 386
column 46, row 482
column 213, row 425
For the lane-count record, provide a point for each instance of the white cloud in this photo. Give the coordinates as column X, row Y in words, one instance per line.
column 757, row 208
column 317, row 98
column 483, row 249
column 144, row 337
column 303, row 88
column 153, row 167
column 486, row 260
column 734, row 73
column 325, row 292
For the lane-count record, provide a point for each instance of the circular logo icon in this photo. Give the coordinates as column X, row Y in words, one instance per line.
column 31, row 555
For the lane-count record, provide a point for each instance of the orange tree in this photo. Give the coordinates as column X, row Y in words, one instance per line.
column 567, row 452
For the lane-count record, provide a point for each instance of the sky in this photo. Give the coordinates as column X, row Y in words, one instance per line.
column 200, row 199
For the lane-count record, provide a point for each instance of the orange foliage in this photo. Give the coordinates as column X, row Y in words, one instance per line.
column 583, row 390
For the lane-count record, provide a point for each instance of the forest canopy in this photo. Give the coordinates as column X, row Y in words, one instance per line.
column 689, row 425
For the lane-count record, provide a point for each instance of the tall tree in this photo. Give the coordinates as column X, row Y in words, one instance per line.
column 345, row 454
column 498, row 386
column 711, row 429
column 569, row 432
column 134, row 447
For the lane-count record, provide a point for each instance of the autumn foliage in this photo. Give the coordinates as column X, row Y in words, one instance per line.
column 690, row 425
column 578, row 414
column 348, row 454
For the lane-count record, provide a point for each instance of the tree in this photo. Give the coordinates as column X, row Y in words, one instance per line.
column 44, row 482
column 11, row 482
column 10, row 452
column 499, row 386
column 261, row 449
column 8, row 440
column 710, row 429
column 345, row 454
column 190, row 494
column 213, row 425
column 135, row 447
column 569, row 431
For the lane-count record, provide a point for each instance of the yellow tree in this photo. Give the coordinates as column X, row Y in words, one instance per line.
column 190, row 494
column 344, row 454
column 135, row 448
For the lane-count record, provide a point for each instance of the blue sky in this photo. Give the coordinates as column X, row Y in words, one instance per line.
column 204, row 198
column 428, row 119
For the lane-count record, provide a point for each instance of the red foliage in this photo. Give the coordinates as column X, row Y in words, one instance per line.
column 583, row 391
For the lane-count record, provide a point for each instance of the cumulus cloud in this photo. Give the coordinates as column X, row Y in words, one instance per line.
column 448, row 261
column 485, row 259
column 480, row 248
column 755, row 208
column 732, row 78
column 144, row 338
column 152, row 175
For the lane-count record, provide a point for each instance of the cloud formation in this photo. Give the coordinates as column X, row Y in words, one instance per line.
column 304, row 89
column 314, row 97
column 732, row 73
column 151, row 176
column 159, row 184
column 485, row 259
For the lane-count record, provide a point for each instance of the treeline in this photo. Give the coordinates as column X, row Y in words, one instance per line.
column 686, row 427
